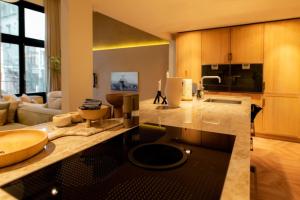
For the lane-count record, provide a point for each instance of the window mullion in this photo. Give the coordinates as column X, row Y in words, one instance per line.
column 34, row 43
column 22, row 49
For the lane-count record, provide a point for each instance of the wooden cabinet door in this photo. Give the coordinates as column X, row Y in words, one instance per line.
column 247, row 44
column 188, row 55
column 215, row 46
column 282, row 57
column 281, row 116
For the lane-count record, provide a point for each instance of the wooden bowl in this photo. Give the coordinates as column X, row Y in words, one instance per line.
column 18, row 145
column 93, row 114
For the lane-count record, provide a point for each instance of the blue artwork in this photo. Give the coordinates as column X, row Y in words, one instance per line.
column 124, row 81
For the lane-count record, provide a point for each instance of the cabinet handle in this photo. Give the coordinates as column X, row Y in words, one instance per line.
column 264, row 86
column 263, row 102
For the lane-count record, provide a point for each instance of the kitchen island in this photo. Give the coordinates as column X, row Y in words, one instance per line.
column 215, row 117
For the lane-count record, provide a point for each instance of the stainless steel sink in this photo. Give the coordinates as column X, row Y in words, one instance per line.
column 211, row 100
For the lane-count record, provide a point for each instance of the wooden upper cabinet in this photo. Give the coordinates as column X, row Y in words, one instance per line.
column 215, row 46
column 282, row 57
column 247, row 44
column 188, row 55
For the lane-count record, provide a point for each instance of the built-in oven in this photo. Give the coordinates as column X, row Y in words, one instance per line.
column 234, row 77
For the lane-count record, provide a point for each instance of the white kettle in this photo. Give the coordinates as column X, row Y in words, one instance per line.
column 174, row 91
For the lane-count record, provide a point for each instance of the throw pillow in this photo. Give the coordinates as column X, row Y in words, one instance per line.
column 34, row 101
column 3, row 116
column 12, row 111
column 4, row 105
column 25, row 98
column 37, row 99
column 10, row 97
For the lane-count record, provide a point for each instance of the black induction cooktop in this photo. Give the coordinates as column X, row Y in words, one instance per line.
column 147, row 162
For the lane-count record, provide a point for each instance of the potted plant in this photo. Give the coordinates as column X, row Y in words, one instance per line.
column 55, row 63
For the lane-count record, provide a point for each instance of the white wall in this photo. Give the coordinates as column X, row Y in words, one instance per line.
column 76, row 52
column 172, row 58
column 151, row 62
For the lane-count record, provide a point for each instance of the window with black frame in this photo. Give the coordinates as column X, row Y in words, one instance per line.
column 23, row 58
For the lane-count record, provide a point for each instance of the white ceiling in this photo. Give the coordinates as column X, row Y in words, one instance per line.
column 164, row 17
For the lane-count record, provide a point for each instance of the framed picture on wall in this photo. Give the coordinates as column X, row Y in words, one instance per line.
column 124, row 81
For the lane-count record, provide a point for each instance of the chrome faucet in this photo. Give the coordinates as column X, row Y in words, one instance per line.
column 210, row 77
column 201, row 88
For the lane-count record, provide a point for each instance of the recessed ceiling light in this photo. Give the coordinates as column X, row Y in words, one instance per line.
column 188, row 151
column 54, row 191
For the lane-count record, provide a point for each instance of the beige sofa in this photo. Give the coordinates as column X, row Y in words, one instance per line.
column 29, row 115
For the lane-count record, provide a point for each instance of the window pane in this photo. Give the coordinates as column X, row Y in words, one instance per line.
column 9, row 18
column 35, row 69
column 10, row 68
column 34, row 24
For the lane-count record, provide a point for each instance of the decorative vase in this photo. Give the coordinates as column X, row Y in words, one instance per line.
column 174, row 91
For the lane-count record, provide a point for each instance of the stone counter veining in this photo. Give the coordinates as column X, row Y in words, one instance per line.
column 216, row 117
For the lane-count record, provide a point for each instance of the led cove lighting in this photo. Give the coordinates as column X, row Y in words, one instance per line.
column 133, row 45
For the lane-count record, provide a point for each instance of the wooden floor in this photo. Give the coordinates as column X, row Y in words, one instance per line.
column 277, row 170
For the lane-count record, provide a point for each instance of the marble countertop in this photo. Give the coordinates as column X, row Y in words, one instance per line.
column 216, row 117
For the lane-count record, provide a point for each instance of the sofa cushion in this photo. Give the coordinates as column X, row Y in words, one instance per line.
column 10, row 103
column 54, row 103
column 3, row 117
column 34, row 105
column 31, row 115
column 54, row 100
column 12, row 126
column 25, row 98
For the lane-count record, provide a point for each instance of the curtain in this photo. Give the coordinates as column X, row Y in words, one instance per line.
column 52, row 11
column 0, row 59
